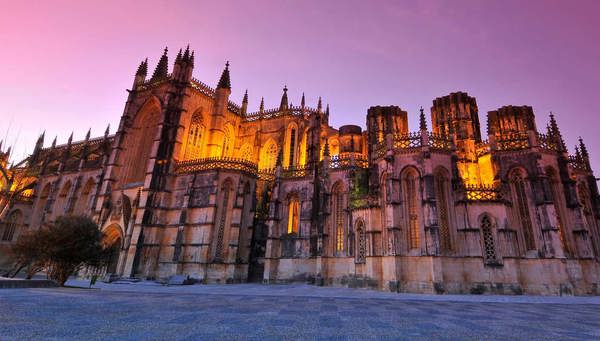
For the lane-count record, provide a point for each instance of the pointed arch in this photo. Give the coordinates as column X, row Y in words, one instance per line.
column 442, row 193
column 521, row 204
column 559, row 205
column 268, row 155
column 228, row 140
column 246, row 152
column 412, row 198
column 290, row 154
column 113, row 239
column 302, row 152
column 83, row 202
column 487, row 226
column 293, row 221
column 12, row 225
column 226, row 195
column 139, row 141
column 338, row 210
column 61, row 202
column 194, row 146
column 361, row 243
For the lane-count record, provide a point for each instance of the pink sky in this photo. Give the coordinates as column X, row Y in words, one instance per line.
column 65, row 65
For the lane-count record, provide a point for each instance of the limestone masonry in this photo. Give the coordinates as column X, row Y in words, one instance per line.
column 193, row 184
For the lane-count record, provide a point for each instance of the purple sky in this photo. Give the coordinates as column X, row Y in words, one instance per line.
column 65, row 65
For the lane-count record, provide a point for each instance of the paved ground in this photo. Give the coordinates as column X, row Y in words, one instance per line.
column 250, row 311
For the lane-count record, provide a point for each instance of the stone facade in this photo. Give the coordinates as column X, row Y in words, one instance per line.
column 193, row 184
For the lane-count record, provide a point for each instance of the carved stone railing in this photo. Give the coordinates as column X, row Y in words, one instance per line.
column 515, row 141
column 407, row 141
column 295, row 172
column 439, row 142
column 275, row 112
column 379, row 150
column 266, row 174
column 202, row 87
column 482, row 193
column 153, row 83
column 214, row 163
column 348, row 160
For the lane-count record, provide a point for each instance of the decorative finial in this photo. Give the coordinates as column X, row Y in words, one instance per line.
column 284, row 99
column 224, row 81
column 162, row 68
column 422, row 121
column 303, row 101
column 320, row 105
column 583, row 148
column 262, row 104
column 89, row 133
column 245, row 100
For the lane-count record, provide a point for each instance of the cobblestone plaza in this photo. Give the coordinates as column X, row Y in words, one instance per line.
column 260, row 312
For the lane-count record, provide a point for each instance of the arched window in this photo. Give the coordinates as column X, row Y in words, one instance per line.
column 268, row 157
column 83, row 203
column 227, row 141
column 139, row 143
column 557, row 200
column 302, row 156
column 61, row 203
column 411, row 198
column 226, row 190
column 586, row 204
column 361, row 244
column 13, row 221
column 588, row 213
column 489, row 245
column 522, row 206
column 247, row 152
column 195, row 139
column 337, row 204
column 293, row 214
column 44, row 197
column 291, row 141
column 441, row 193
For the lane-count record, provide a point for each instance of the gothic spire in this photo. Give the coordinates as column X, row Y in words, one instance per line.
column 87, row 136
column 583, row 149
column 302, row 101
column 225, row 82
column 54, row 142
column 422, row 121
column 284, row 99
column 262, row 105
column 577, row 154
column 70, row 139
column 556, row 135
column 320, row 105
column 192, row 59
column 142, row 70
column 245, row 103
column 179, row 56
column 107, row 131
column 162, row 68
column 186, row 54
